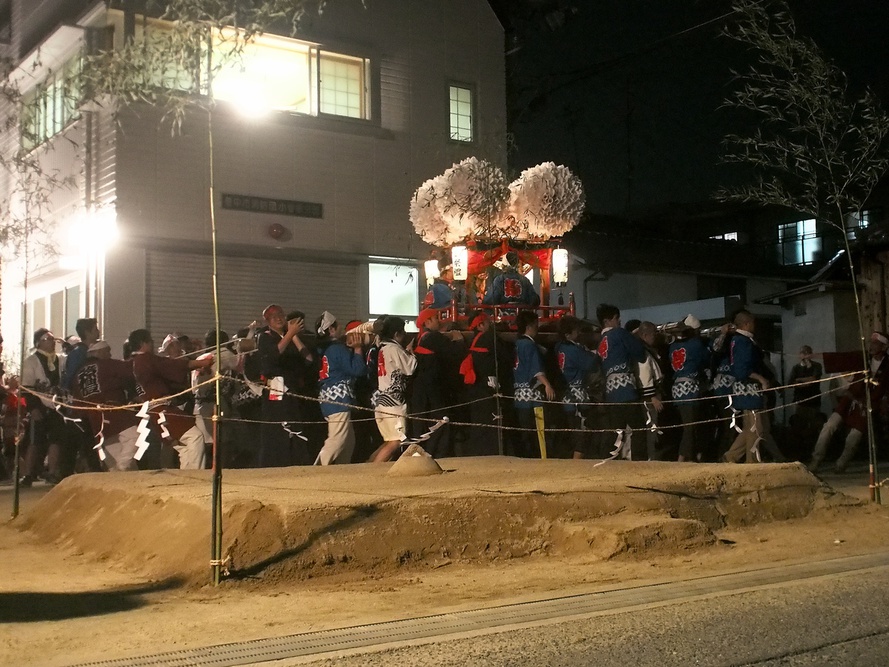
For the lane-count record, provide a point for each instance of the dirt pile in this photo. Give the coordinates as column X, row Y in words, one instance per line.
column 308, row 522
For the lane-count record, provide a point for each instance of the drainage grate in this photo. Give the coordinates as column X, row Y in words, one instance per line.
column 363, row 636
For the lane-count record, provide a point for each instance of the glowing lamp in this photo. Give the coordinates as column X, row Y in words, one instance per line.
column 460, row 262
column 432, row 271
column 94, row 228
column 560, row 266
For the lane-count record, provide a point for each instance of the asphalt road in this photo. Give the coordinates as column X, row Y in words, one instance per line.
column 831, row 620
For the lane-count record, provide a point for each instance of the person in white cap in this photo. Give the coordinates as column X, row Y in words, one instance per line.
column 851, row 411
column 172, row 346
column 689, row 358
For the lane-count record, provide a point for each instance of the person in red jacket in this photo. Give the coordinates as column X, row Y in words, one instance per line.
column 103, row 381
column 160, row 377
column 851, row 411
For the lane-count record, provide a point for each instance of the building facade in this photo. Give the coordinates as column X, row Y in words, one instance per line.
column 311, row 197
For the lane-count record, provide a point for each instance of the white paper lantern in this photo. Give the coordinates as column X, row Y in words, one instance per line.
column 560, row 266
column 432, row 272
column 460, row 262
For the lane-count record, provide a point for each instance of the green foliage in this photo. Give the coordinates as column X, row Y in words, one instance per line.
column 814, row 146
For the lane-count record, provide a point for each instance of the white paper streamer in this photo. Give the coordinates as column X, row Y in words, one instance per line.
column 618, row 445
column 57, row 404
column 428, row 434
column 649, row 422
column 735, row 413
column 298, row 434
column 100, row 445
column 162, row 421
column 143, row 429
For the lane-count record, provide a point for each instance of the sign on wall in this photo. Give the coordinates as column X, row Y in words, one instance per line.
column 298, row 209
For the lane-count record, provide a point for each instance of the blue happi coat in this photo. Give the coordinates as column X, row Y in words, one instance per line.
column 576, row 363
column 689, row 359
column 340, row 367
column 528, row 363
column 619, row 352
column 746, row 358
column 723, row 380
column 511, row 287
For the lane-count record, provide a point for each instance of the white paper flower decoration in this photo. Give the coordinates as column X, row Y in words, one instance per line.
column 545, row 201
column 476, row 197
column 426, row 215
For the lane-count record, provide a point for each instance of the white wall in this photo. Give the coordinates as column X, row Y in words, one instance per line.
column 363, row 174
column 826, row 322
column 630, row 290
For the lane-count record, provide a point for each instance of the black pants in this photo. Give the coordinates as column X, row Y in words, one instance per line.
column 483, row 440
column 47, row 440
column 627, row 417
column 277, row 448
column 527, row 444
column 580, row 440
column 429, row 402
column 690, row 445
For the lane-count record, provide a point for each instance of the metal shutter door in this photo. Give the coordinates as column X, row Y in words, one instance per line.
column 180, row 294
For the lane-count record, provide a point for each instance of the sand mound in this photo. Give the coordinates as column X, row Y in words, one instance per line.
column 311, row 521
column 415, row 462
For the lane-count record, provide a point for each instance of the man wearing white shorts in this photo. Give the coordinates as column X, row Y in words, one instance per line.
column 394, row 366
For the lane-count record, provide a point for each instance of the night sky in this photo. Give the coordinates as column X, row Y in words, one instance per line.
column 627, row 92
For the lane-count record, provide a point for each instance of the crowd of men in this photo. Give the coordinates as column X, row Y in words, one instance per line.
column 291, row 394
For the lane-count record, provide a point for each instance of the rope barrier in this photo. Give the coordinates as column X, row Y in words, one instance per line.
column 78, row 405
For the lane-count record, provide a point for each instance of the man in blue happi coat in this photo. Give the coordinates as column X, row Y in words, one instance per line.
column 620, row 352
column 689, row 359
column 576, row 363
column 528, row 379
column 511, row 286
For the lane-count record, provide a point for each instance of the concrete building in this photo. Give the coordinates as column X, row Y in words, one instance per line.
column 311, row 198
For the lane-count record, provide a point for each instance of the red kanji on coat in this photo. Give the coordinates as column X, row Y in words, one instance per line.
column 512, row 288
column 324, row 373
column 561, row 361
column 677, row 358
column 603, row 349
column 381, row 364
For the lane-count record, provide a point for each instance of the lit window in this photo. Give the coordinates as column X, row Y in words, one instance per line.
column 281, row 74
column 728, row 236
column 58, row 312
column 341, row 85
column 271, row 73
column 856, row 222
column 798, row 243
column 49, row 108
column 393, row 290
column 274, row 73
column 461, row 113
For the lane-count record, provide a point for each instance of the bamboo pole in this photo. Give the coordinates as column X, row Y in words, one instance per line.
column 875, row 495
column 16, row 490
column 216, row 562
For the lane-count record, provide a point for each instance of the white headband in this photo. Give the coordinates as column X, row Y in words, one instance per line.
column 877, row 336
column 327, row 319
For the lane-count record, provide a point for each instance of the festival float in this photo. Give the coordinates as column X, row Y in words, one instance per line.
column 474, row 217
